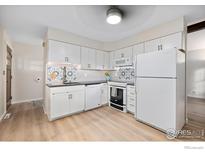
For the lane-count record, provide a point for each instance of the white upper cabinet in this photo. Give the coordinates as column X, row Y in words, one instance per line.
column 112, row 60
column 172, row 41
column 100, row 59
column 107, row 60
column 88, row 58
column 152, row 45
column 164, row 43
column 123, row 53
column 60, row 52
column 138, row 49
column 123, row 57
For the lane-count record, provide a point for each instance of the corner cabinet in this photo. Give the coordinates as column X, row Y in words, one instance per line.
column 60, row 52
column 62, row 101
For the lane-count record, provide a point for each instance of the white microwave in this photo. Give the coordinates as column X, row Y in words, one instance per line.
column 123, row 62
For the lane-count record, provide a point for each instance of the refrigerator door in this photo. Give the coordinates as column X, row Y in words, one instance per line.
column 156, row 102
column 157, row 64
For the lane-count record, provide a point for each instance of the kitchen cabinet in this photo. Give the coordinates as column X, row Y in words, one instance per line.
column 93, row 96
column 131, row 99
column 76, row 100
column 100, row 59
column 104, row 93
column 138, row 49
column 123, row 53
column 88, row 58
column 59, row 104
column 112, row 60
column 59, row 52
column 164, row 43
column 64, row 101
column 123, row 57
column 172, row 41
column 106, row 60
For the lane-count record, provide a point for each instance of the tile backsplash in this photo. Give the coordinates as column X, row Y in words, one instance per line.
column 73, row 74
column 125, row 74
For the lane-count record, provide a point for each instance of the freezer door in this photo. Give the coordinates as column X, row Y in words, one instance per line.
column 157, row 64
column 156, row 102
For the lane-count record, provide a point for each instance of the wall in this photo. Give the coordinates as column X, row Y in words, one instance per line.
column 196, row 77
column 55, row 74
column 55, row 34
column 196, row 64
column 27, row 67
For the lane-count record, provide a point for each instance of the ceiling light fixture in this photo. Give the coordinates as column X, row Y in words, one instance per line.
column 114, row 16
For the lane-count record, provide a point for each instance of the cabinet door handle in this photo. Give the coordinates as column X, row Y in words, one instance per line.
column 66, row 59
column 161, row 46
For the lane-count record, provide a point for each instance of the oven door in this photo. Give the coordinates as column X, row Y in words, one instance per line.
column 116, row 95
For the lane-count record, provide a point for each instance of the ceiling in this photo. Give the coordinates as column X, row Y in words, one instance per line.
column 29, row 23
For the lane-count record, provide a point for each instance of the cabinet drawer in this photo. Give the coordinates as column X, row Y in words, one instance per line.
column 131, row 93
column 131, row 100
column 130, row 88
column 131, row 108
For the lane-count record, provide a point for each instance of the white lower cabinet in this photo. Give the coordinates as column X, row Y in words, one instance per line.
column 65, row 100
column 104, row 93
column 76, row 99
column 93, row 96
column 59, row 104
column 131, row 99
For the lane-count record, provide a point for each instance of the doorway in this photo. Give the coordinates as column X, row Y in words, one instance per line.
column 8, row 77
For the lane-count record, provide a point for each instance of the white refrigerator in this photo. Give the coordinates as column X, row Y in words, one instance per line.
column 160, row 88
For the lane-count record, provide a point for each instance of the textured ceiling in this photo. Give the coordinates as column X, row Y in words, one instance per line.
column 29, row 23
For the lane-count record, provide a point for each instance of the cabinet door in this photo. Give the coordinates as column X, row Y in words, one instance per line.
column 100, row 58
column 106, row 60
column 112, row 60
column 126, row 52
column 153, row 45
column 93, row 93
column 87, row 58
column 56, row 51
column 172, row 41
column 104, row 94
column 73, row 53
column 84, row 57
column 76, row 100
column 59, row 105
column 91, row 59
column 138, row 49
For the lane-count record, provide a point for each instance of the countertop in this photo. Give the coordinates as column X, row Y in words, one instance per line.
column 84, row 83
column 76, row 83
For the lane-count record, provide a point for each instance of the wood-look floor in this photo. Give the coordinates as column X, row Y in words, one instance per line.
column 29, row 123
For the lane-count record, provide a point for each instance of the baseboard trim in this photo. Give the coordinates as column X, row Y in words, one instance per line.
column 28, row 100
column 2, row 116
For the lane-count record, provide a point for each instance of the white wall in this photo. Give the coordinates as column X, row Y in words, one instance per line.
column 196, row 64
column 27, row 66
